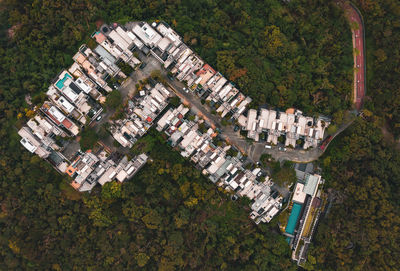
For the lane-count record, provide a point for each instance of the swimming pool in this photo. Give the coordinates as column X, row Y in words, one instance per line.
column 60, row 83
column 294, row 216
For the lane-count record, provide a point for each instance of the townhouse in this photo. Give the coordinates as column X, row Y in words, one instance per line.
column 54, row 115
column 143, row 111
column 291, row 124
column 97, row 67
column 118, row 42
column 167, row 46
column 32, row 143
column 89, row 87
column 89, row 169
column 38, row 137
column 218, row 166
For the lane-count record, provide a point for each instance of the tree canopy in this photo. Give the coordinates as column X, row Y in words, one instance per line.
column 114, row 99
column 168, row 217
column 363, row 176
column 284, row 53
column 88, row 139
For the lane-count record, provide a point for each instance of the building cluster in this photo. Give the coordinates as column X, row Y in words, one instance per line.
column 89, row 169
column 290, row 124
column 142, row 111
column 166, row 45
column 220, row 167
column 74, row 99
column 75, row 94
column 305, row 210
column 72, row 102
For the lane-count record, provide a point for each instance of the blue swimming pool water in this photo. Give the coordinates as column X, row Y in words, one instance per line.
column 294, row 216
column 60, row 83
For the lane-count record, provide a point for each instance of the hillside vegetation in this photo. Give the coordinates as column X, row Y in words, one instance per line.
column 169, row 217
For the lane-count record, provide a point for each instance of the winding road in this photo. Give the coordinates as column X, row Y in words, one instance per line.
column 354, row 17
column 254, row 150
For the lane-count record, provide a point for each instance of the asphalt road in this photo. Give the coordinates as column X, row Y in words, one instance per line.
column 355, row 20
column 254, row 150
column 359, row 59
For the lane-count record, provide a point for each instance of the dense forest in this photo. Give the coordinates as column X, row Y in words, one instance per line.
column 361, row 229
column 169, row 217
column 362, row 166
column 382, row 26
column 283, row 54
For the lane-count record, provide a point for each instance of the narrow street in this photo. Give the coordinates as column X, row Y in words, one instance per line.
column 253, row 150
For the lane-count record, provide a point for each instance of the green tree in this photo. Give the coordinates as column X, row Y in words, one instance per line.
column 111, row 191
column 114, row 99
column 142, row 259
column 175, row 101
column 88, row 140
column 284, row 176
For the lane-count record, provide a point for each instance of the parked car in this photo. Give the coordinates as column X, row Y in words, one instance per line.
column 236, row 128
column 142, row 65
column 268, row 146
column 99, row 117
